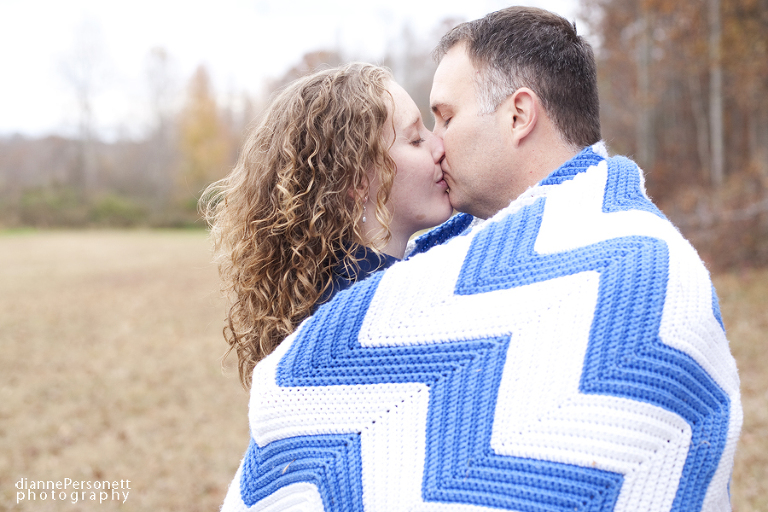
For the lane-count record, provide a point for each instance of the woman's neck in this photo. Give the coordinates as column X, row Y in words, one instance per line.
column 395, row 247
column 372, row 231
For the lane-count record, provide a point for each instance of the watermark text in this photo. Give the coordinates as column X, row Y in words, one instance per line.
column 71, row 490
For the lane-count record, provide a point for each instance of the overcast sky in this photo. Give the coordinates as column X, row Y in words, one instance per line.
column 241, row 42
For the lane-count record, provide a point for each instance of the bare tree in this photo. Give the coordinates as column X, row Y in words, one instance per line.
column 161, row 82
column 85, row 71
column 645, row 136
column 409, row 55
column 717, row 135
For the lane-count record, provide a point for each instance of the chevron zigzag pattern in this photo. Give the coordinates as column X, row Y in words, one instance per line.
column 566, row 354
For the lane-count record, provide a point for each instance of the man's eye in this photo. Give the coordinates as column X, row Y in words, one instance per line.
column 446, row 121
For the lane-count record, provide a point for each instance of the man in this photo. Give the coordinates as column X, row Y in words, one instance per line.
column 514, row 97
column 567, row 353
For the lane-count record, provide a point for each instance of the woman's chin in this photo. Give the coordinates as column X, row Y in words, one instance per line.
column 445, row 216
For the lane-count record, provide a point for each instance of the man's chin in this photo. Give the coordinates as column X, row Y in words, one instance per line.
column 457, row 204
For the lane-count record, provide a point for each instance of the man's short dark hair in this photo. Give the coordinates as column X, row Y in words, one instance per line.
column 529, row 47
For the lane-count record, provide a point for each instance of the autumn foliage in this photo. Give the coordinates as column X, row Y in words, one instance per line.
column 684, row 90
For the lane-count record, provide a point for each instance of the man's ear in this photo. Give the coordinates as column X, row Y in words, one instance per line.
column 523, row 113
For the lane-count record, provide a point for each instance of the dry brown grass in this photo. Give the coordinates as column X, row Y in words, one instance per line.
column 744, row 304
column 110, row 370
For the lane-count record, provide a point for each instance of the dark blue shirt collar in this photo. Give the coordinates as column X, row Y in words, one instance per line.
column 363, row 263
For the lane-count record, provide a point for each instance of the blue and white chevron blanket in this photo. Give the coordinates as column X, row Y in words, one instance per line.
column 566, row 354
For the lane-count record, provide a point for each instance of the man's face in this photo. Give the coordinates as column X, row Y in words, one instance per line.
column 476, row 146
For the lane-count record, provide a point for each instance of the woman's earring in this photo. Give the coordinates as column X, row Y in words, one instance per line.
column 363, row 213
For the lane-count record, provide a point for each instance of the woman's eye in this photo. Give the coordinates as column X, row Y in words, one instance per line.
column 417, row 142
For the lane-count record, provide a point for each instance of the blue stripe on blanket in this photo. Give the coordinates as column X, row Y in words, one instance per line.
column 331, row 462
column 578, row 164
column 454, row 226
column 716, row 308
column 624, row 190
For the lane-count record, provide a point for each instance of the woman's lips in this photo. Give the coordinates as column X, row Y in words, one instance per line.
column 441, row 182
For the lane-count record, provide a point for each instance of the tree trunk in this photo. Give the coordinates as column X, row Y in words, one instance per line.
column 645, row 149
column 699, row 109
column 717, row 135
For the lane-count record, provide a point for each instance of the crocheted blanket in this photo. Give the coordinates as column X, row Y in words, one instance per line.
column 566, row 354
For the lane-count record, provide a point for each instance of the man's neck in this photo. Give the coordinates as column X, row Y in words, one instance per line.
column 547, row 153
column 537, row 162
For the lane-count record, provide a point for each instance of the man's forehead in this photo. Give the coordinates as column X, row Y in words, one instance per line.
column 454, row 75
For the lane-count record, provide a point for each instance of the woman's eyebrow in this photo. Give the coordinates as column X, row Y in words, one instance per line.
column 414, row 123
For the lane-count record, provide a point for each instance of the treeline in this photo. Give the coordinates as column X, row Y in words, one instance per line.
column 156, row 180
column 684, row 91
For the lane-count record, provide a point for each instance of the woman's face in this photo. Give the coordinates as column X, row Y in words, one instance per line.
column 419, row 197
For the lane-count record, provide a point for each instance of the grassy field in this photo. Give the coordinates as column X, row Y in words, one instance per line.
column 744, row 304
column 111, row 370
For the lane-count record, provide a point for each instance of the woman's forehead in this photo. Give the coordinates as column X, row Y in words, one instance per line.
column 406, row 113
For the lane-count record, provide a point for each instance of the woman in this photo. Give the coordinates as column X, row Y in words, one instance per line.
column 328, row 188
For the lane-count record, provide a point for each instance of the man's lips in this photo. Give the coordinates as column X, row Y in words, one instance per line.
column 443, row 181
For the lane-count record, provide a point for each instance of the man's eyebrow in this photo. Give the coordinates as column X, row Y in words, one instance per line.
column 438, row 106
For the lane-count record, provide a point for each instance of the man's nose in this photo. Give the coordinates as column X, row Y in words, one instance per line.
column 437, row 129
column 438, row 149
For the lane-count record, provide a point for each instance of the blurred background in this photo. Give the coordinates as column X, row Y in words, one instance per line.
column 119, row 114
column 116, row 115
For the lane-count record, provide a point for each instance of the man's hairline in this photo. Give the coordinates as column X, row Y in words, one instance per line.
column 476, row 86
column 481, row 73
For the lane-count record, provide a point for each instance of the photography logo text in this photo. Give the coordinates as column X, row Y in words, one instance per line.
column 75, row 491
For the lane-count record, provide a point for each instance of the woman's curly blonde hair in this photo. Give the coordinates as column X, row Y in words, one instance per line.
column 288, row 212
